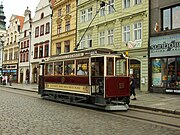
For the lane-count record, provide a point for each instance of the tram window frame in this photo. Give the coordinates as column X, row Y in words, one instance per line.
column 85, row 69
column 49, row 68
column 69, row 67
column 58, row 68
column 110, row 66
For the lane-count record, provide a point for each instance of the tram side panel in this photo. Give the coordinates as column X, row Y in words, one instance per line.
column 71, row 84
column 117, row 87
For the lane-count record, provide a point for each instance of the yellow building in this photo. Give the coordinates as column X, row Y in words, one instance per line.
column 63, row 27
column 121, row 25
column 11, row 47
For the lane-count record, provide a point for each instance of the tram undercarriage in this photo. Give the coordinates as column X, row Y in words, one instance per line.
column 93, row 101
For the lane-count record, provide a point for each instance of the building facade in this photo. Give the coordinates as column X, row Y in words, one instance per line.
column 11, row 47
column 24, row 49
column 118, row 25
column 41, row 37
column 164, row 46
column 64, row 27
column 2, row 35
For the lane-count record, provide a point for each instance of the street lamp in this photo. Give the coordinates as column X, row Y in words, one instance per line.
column 41, row 77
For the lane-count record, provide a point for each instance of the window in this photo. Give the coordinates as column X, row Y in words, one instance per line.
column 126, row 33
column 171, row 18
column 83, row 43
column 25, row 33
column 82, row 67
column 69, row 67
column 42, row 30
column 47, row 28
column 58, row 48
column 111, row 6
column 67, row 46
column 83, row 16
column 35, row 52
column 21, row 57
column 36, row 31
column 137, row 31
column 46, row 50
column 42, row 15
column 67, row 25
column 49, row 69
column 102, row 38
column 137, row 2
column 110, row 37
column 89, row 40
column 59, row 29
column 89, row 13
column 110, row 66
column 24, row 56
column 15, row 55
column 126, row 3
column 58, row 68
column 40, row 51
column 59, row 12
column 27, row 57
column 10, row 56
column 67, row 8
column 102, row 11
column 21, row 44
column 24, row 44
column 27, row 43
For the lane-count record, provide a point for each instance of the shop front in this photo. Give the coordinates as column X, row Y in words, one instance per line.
column 10, row 70
column 165, row 63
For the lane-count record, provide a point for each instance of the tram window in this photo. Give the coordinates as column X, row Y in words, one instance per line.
column 110, row 66
column 58, row 68
column 97, row 66
column 49, row 69
column 120, row 67
column 69, row 67
column 82, row 67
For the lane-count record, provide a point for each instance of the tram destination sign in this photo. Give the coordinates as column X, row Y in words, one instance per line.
column 73, row 55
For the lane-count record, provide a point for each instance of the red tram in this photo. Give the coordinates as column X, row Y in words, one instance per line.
column 89, row 78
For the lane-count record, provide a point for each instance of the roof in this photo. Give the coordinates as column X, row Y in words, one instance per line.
column 21, row 20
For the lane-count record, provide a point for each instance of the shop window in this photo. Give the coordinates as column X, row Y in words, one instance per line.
column 159, row 72
column 178, row 73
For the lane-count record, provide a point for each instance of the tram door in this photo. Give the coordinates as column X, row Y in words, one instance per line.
column 97, row 71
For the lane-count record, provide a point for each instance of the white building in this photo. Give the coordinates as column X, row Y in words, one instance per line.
column 41, row 37
column 24, row 49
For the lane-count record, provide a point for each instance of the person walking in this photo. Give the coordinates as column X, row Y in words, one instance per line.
column 10, row 80
column 132, row 87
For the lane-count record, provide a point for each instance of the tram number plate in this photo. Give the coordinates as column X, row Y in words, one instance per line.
column 121, row 85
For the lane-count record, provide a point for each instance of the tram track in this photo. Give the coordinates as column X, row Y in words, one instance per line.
column 158, row 118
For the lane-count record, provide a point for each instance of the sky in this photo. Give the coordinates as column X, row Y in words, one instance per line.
column 18, row 7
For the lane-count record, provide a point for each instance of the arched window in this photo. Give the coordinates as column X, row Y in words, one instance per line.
column 42, row 15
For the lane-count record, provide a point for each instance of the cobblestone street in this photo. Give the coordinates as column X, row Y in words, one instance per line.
column 26, row 115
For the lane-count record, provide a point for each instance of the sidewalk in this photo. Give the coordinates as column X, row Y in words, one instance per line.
column 169, row 103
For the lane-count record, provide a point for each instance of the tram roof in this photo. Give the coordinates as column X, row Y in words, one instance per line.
column 83, row 53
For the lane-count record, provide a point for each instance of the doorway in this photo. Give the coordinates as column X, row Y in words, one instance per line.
column 135, row 69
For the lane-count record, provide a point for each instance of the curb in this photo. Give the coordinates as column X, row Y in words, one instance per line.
column 156, row 109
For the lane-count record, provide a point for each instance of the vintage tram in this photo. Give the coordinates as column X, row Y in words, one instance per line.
column 89, row 78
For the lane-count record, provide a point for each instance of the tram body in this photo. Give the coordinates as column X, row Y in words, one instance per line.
column 99, row 85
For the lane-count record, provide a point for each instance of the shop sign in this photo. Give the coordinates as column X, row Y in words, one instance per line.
column 165, row 45
column 172, row 91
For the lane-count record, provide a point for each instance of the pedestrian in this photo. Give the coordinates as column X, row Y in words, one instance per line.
column 132, row 87
column 26, row 81
column 4, row 80
column 10, row 80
